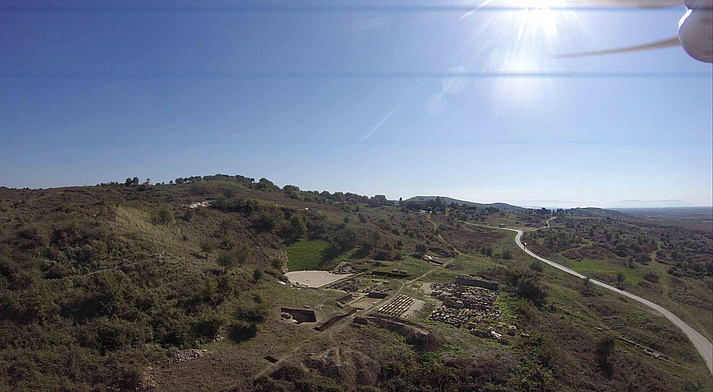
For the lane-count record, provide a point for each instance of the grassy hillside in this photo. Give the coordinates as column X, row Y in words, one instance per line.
column 307, row 255
column 112, row 286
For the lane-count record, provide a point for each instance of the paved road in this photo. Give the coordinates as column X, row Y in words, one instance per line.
column 702, row 344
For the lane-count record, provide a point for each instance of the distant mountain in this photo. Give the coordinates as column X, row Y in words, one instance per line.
column 552, row 204
column 502, row 206
column 648, row 204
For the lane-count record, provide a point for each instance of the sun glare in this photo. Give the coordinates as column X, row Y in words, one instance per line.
column 526, row 33
column 538, row 13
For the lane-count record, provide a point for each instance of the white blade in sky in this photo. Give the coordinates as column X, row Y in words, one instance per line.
column 667, row 43
column 624, row 3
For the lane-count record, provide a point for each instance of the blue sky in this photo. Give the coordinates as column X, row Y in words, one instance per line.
column 360, row 100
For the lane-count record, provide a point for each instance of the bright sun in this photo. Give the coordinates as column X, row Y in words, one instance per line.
column 539, row 13
column 535, row 13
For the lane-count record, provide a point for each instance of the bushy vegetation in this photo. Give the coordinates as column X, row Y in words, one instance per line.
column 98, row 283
column 527, row 285
column 688, row 251
column 114, row 277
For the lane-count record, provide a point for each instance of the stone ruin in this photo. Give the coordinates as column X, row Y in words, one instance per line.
column 461, row 303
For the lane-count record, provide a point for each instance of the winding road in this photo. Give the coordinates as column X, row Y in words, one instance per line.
column 703, row 345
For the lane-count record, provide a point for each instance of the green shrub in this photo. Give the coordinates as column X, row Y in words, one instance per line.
column 207, row 325
column 537, row 266
column 161, row 216
column 604, row 348
column 257, row 274
column 227, row 260
column 526, row 285
column 239, row 331
column 266, row 221
column 651, row 277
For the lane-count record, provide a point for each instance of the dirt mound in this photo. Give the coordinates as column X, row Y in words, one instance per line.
column 455, row 267
column 419, row 337
column 345, row 365
column 491, row 368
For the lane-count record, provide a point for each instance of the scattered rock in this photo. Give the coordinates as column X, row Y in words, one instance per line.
column 343, row 268
column 187, row 355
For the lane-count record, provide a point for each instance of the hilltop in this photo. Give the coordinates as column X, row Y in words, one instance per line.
column 598, row 212
column 450, row 200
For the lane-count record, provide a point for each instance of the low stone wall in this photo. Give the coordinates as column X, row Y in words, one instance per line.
column 471, row 281
column 334, row 320
column 345, row 298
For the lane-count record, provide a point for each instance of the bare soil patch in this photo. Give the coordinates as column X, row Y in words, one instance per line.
column 314, row 278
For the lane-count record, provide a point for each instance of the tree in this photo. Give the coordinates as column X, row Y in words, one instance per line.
column 266, row 221
column 226, row 243
column 536, row 266
column 381, row 200
column 161, row 217
column 298, row 226
column 620, row 279
column 290, row 189
column 266, row 185
column 230, row 259
column 587, row 283
column 604, row 349
column 528, row 288
column 243, row 253
column 346, row 239
column 227, row 260
column 526, row 285
column 206, row 247
column 257, row 274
